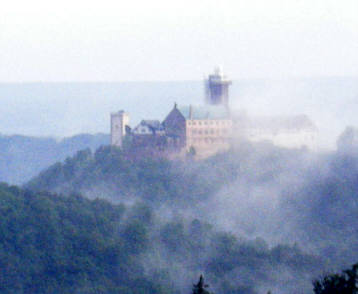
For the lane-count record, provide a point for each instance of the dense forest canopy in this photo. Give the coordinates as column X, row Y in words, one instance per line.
column 59, row 244
column 269, row 218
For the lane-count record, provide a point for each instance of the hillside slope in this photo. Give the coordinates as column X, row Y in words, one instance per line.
column 254, row 191
column 62, row 244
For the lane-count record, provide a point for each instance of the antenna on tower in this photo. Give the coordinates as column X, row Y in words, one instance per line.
column 217, row 88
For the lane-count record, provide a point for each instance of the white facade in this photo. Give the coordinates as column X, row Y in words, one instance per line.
column 119, row 121
column 142, row 129
column 288, row 132
column 149, row 127
column 287, row 139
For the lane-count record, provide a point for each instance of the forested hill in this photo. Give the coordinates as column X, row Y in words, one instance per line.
column 113, row 174
column 69, row 244
column 23, row 157
column 254, row 191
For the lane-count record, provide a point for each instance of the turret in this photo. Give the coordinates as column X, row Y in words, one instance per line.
column 217, row 88
column 119, row 121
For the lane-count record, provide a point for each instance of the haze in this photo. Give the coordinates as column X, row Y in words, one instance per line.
column 176, row 40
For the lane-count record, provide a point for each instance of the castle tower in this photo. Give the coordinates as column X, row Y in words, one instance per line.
column 217, row 88
column 119, row 121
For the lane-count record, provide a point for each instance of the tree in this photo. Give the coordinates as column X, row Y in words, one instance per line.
column 345, row 283
column 199, row 288
column 192, row 152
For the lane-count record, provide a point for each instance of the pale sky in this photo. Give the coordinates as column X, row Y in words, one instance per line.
column 176, row 40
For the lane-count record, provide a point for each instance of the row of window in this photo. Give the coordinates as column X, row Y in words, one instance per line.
column 209, row 122
column 209, row 140
column 209, row 131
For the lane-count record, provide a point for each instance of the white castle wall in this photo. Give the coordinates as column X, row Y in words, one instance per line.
column 119, row 121
column 288, row 139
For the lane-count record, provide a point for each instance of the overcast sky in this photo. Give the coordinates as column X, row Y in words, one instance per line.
column 176, row 40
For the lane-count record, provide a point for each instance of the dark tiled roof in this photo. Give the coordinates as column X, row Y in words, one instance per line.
column 155, row 124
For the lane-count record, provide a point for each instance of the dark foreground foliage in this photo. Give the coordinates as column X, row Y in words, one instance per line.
column 69, row 244
column 200, row 287
column 53, row 244
column 344, row 283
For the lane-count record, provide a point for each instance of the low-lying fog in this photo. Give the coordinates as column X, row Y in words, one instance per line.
column 262, row 192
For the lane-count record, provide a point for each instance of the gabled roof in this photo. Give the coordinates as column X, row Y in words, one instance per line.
column 205, row 112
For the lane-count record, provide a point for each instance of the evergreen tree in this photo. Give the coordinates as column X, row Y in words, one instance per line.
column 345, row 283
column 199, row 288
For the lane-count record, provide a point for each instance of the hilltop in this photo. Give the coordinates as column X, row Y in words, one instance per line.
column 66, row 109
column 253, row 191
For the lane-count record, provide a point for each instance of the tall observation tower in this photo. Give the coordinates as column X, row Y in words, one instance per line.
column 217, row 88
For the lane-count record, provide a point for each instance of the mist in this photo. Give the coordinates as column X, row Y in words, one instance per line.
column 285, row 216
column 274, row 211
column 276, row 196
column 66, row 109
column 290, row 209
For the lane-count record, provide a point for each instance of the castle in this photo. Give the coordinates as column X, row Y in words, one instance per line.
column 210, row 128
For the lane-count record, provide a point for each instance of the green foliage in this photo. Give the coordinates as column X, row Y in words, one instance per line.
column 191, row 153
column 344, row 283
column 56, row 244
column 157, row 244
column 60, row 244
column 121, row 176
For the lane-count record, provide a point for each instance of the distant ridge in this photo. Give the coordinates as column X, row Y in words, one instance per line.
column 66, row 109
column 23, row 157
